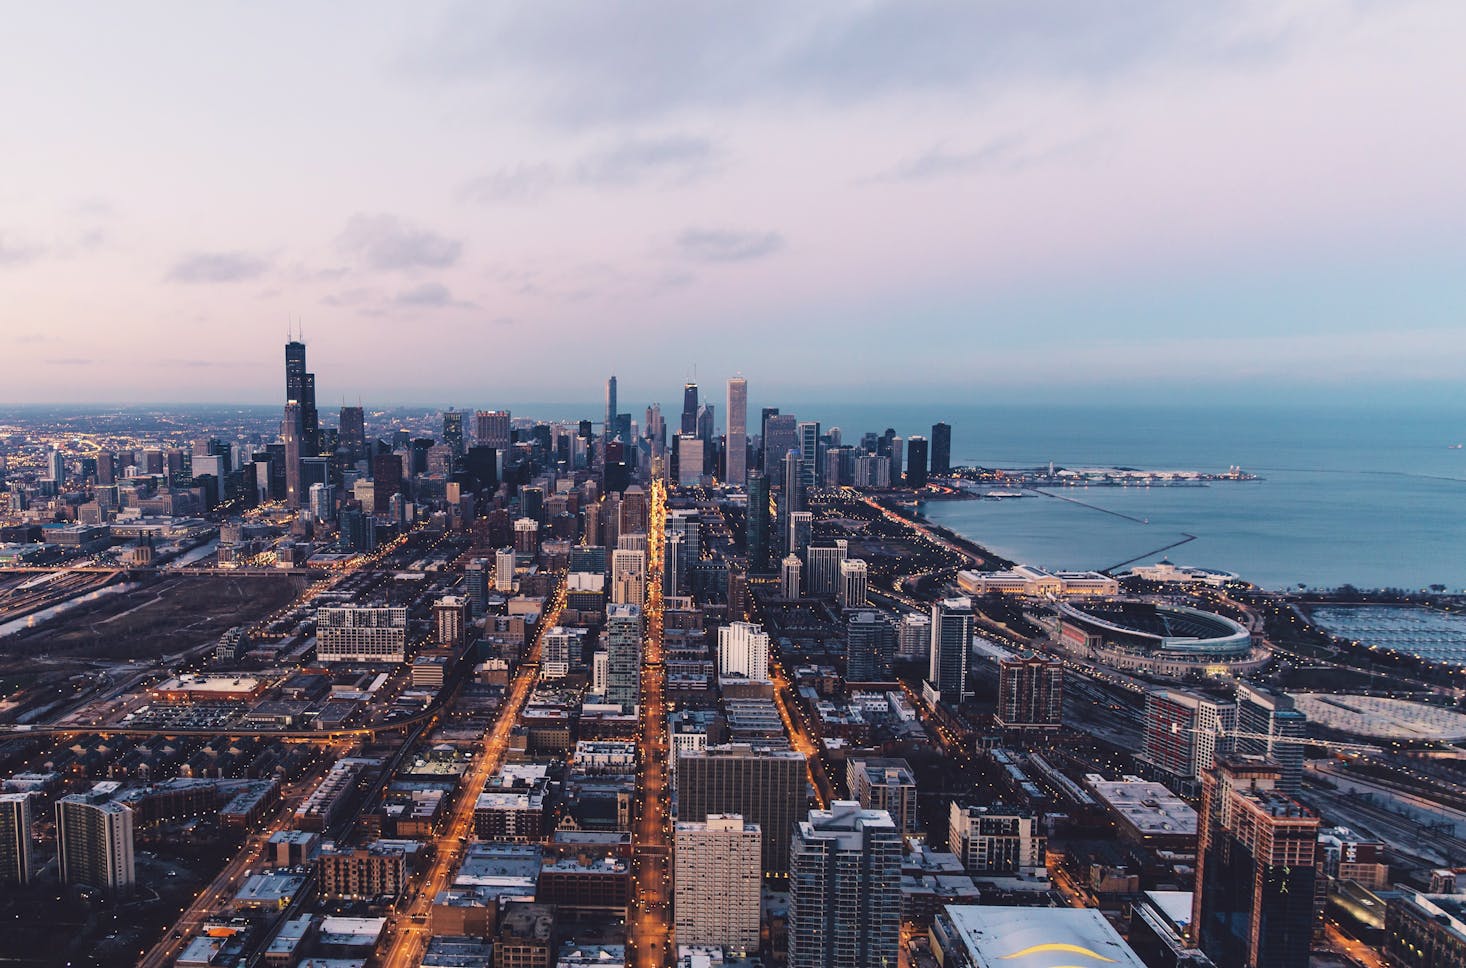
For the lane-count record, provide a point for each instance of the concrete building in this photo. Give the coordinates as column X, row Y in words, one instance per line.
column 628, row 577
column 1185, row 732
column 94, row 840
column 1269, row 725
column 822, row 568
column 992, row 936
column 766, row 787
column 737, row 441
column 1036, row 582
column 743, row 650
column 854, row 583
column 789, row 570
column 15, row 838
column 870, row 645
column 623, row 633
column 718, row 877
column 1030, row 693
column 996, row 840
column 885, row 784
column 362, row 635
column 951, row 642
column 845, row 889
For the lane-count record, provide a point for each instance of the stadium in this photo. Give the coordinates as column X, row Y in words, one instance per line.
column 1169, row 640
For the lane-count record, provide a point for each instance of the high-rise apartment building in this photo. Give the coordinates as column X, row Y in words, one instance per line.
column 628, row 577
column 766, row 787
column 854, row 583
column 743, row 650
column 870, row 646
column 361, row 634
column 717, row 882
column 1257, row 847
column 789, row 571
column 885, row 784
column 800, row 526
column 822, row 568
column 690, row 454
column 914, row 636
column 951, row 641
column 622, row 639
column 916, row 461
column 504, row 562
column 491, row 429
column 1269, row 725
column 757, row 537
column 941, row 446
column 845, row 889
column 811, row 453
column 452, row 620
column 15, row 838
column 1030, row 693
column 94, row 841
column 453, row 431
column 737, row 442
column 1185, row 732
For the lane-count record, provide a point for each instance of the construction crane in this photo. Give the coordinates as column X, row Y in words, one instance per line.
column 1359, row 749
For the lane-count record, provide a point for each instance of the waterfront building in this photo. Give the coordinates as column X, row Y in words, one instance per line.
column 845, row 889
column 1269, row 725
column 941, row 446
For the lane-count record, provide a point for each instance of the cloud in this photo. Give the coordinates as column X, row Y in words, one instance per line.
column 723, row 245
column 206, row 267
column 386, row 242
column 669, row 161
column 649, row 58
column 69, row 361
column 1009, row 154
column 430, row 294
column 13, row 253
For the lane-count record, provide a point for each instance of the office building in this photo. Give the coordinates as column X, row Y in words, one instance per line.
column 291, row 433
column 822, row 568
column 996, row 840
column 781, row 435
column 845, row 889
column 491, row 429
column 628, row 577
column 1269, row 725
column 737, row 440
column 351, row 433
column 854, row 584
column 743, row 650
column 94, row 840
column 916, row 462
column 453, row 431
column 15, row 838
column 361, row 634
column 760, row 561
column 689, row 409
column 951, row 638
column 323, row 502
column 526, row 536
column 870, row 646
column 810, row 453
column 609, row 426
column 718, row 878
column 300, row 389
column 622, row 639
column 789, row 577
column 941, row 449
column 674, row 563
column 1253, row 906
column 1185, row 732
column 766, row 787
column 1030, row 693
column 800, row 526
column 386, row 481
column 885, row 784
column 689, row 459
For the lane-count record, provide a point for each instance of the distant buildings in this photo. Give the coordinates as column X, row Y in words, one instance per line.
column 916, row 456
column 737, row 441
column 1036, row 582
column 941, row 444
column 718, row 880
column 854, row 583
column 845, row 889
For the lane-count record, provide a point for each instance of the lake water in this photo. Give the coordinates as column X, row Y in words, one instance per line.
column 1365, row 497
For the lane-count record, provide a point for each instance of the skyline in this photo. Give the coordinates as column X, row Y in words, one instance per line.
column 1267, row 189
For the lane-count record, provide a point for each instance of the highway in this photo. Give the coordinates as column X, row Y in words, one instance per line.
column 410, row 926
column 649, row 915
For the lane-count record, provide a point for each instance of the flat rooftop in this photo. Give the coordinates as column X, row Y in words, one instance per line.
column 1149, row 807
column 1014, row 937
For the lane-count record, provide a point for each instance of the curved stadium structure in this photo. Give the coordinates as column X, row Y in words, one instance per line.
column 1162, row 639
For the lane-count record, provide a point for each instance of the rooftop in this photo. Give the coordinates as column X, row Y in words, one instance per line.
column 1011, row 937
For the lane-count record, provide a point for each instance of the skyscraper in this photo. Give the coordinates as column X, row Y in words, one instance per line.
column 941, row 448
column 801, row 530
column 870, row 644
column 737, row 456
column 951, row 641
column 765, row 787
column 300, row 389
column 916, row 462
column 453, row 430
column 1185, row 732
column 789, row 570
column 491, row 429
column 94, row 841
column 757, row 535
column 689, row 408
column 885, row 784
column 292, row 434
column 810, row 452
column 352, row 433
column 845, row 889
column 610, row 424
column 15, row 838
column 854, row 583
column 718, row 882
column 1030, row 693
column 1268, row 725
column 743, row 650
column 822, row 568
column 623, row 655
column 781, row 435
column 628, row 577
column 1253, row 906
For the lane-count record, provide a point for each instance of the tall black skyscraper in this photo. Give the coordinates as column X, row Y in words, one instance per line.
column 300, row 389
column 915, row 462
column 453, row 430
column 941, row 448
column 758, row 524
column 689, row 409
column 352, row 435
column 610, row 426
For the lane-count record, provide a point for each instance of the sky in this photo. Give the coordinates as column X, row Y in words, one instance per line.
column 969, row 201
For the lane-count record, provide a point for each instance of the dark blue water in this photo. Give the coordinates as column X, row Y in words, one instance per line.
column 1368, row 497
